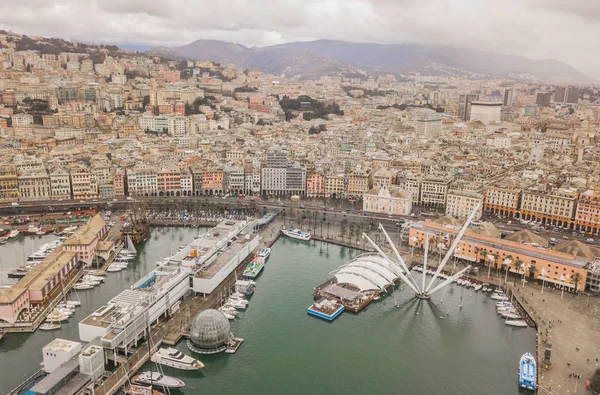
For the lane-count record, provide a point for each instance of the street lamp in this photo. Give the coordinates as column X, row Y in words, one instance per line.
column 507, row 262
column 525, row 268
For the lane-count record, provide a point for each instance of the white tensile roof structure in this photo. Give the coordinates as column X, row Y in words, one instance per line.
column 367, row 272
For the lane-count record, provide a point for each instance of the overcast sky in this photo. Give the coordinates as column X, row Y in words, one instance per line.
column 557, row 29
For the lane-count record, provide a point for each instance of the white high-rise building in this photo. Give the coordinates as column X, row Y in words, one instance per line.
column 429, row 124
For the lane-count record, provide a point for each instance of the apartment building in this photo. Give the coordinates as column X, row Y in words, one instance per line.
column 83, row 184
column 315, row 185
column 502, row 200
column 169, row 181
column 359, row 182
column 461, row 203
column 9, row 183
column 587, row 214
column 554, row 207
column 186, row 181
column 335, row 185
column 34, row 185
column 212, row 181
column 142, row 181
column 60, row 184
column 234, row 180
column 384, row 177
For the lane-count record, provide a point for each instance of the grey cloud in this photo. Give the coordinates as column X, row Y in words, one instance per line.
column 532, row 28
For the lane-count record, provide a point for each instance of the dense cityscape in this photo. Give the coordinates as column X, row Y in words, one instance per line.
column 497, row 174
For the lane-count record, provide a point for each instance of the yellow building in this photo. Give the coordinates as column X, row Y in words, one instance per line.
column 9, row 184
column 335, row 185
column 359, row 182
column 553, row 208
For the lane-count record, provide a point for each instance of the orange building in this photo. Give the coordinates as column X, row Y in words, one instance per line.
column 587, row 215
column 165, row 108
column 180, row 108
column 169, row 182
column 212, row 182
column 474, row 247
column 315, row 185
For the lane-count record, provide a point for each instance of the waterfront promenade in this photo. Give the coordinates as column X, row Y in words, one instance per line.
column 571, row 323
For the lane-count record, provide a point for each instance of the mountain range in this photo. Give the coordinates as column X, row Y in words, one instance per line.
column 310, row 59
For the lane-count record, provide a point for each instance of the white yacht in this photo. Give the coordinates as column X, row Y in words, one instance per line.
column 296, row 234
column 174, row 358
column 238, row 304
column 112, row 268
column 13, row 233
column 158, row 380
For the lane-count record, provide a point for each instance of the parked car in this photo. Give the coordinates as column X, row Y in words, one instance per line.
column 589, row 241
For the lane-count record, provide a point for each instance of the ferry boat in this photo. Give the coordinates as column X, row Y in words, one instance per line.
column 254, row 268
column 296, row 234
column 265, row 253
column 528, row 372
column 157, row 379
column 176, row 359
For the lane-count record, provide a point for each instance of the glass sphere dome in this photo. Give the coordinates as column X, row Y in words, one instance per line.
column 210, row 330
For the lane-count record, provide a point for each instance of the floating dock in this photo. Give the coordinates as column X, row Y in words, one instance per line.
column 233, row 345
column 327, row 309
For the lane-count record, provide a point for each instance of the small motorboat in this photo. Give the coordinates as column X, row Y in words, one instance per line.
column 13, row 233
column 114, row 268
column 157, row 379
column 50, row 326
column 229, row 310
column 141, row 390
column 517, row 323
column 238, row 304
column 265, row 253
column 83, row 286
column 73, row 303
column 56, row 316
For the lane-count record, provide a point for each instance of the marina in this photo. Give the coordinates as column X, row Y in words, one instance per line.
column 277, row 317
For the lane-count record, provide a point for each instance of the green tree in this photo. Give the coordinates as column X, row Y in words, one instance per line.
column 575, row 280
column 595, row 381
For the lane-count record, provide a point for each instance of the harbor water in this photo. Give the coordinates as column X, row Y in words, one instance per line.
column 384, row 349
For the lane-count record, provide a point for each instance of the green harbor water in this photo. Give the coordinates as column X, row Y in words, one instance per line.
column 381, row 350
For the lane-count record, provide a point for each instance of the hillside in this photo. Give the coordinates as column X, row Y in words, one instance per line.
column 314, row 58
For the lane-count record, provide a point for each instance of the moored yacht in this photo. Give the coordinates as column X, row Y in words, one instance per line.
column 176, row 359
column 296, row 234
column 157, row 379
column 13, row 233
